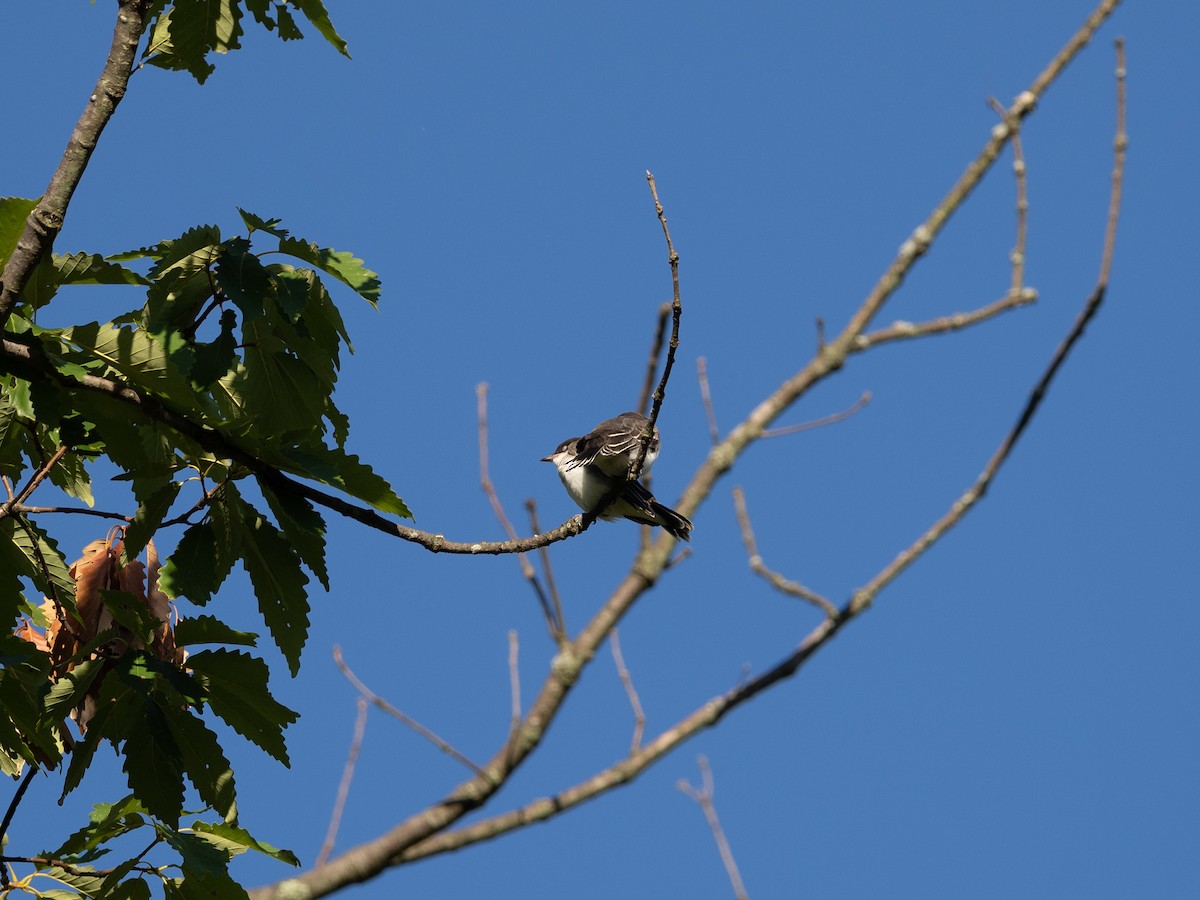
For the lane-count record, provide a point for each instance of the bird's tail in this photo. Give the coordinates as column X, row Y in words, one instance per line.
column 679, row 527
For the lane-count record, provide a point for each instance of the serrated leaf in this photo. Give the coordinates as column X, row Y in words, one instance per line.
column 343, row 266
column 193, row 570
column 150, row 514
column 130, row 612
column 237, row 692
column 134, row 889
column 43, row 563
column 180, row 284
column 195, row 630
column 337, row 468
column 278, row 581
column 243, row 278
column 303, row 527
column 314, row 11
column 71, row 476
column 13, row 213
column 92, row 268
column 142, row 361
column 106, row 821
column 257, row 223
column 70, row 689
column 213, row 360
column 207, row 768
column 154, row 764
column 86, row 883
column 234, row 839
column 183, row 36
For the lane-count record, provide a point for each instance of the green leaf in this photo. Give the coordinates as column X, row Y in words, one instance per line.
column 213, row 360
column 150, row 514
column 42, row 561
column 13, row 213
column 237, row 692
column 68, row 692
column 183, row 36
column 131, row 613
column 233, row 839
column 180, row 283
column 154, row 764
column 195, row 630
column 257, row 223
column 72, row 478
column 345, row 471
column 142, row 361
column 193, row 570
column 278, row 581
column 92, row 268
column 302, row 526
column 341, row 265
column 243, row 278
column 203, row 760
column 314, row 11
column 106, row 821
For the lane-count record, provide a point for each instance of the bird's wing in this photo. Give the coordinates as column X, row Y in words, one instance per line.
column 615, row 437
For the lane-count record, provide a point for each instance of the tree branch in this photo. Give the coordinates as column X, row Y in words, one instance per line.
column 46, row 220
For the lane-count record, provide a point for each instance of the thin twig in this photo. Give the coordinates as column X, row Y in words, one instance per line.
column 485, row 481
column 831, row 419
column 656, row 346
column 73, row 510
column 706, row 396
column 339, row 804
column 11, row 811
column 899, row 331
column 1020, row 176
column 639, row 716
column 514, row 681
column 558, row 622
column 412, row 723
column 660, row 392
column 704, row 796
column 776, row 580
column 43, row 470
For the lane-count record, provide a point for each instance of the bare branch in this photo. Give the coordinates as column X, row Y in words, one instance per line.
column 656, row 345
column 74, row 510
column 779, row 582
column 706, row 396
column 416, row 726
column 899, row 331
column 339, row 804
column 427, row 832
column 558, row 622
column 639, row 716
column 1020, row 176
column 46, row 220
column 485, row 481
column 673, row 344
column 704, row 796
column 865, row 595
column 43, row 470
column 514, row 680
column 831, row 419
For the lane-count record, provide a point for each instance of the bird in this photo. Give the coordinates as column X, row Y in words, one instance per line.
column 596, row 465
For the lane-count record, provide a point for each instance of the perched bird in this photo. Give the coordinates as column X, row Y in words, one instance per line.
column 595, row 465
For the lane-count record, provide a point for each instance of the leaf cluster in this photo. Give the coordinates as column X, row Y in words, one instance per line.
column 239, row 337
column 184, row 33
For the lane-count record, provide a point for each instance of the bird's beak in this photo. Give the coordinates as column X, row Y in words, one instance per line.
column 549, row 458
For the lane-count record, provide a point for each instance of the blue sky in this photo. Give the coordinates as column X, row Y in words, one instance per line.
column 1015, row 717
